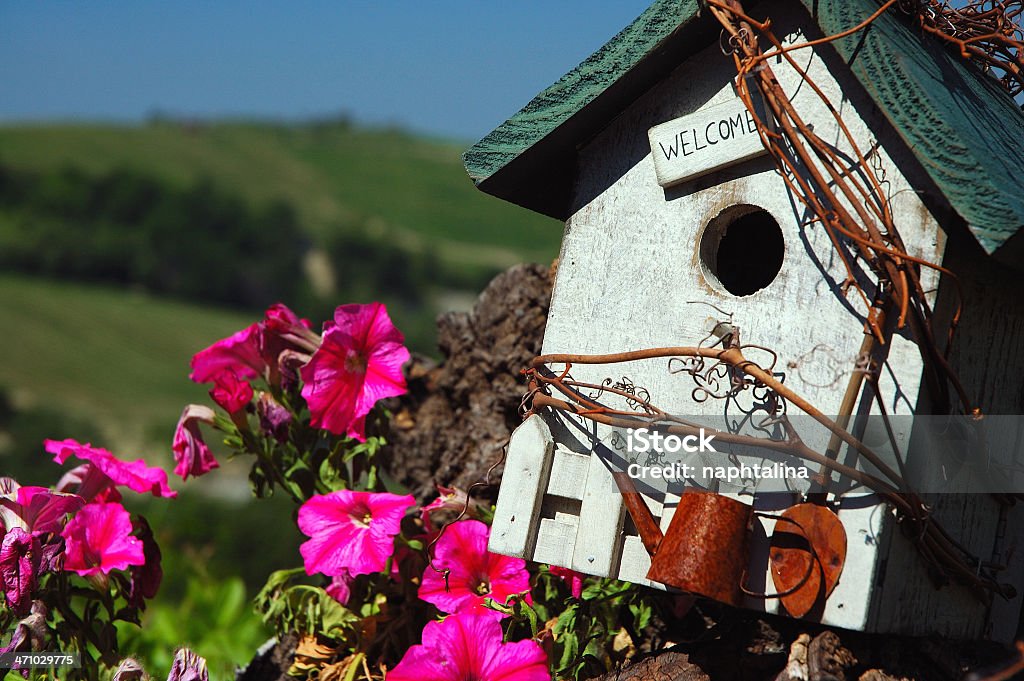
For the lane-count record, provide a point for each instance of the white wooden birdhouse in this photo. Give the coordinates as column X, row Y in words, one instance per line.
column 700, row 220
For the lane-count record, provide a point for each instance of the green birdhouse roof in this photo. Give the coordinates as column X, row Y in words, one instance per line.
column 967, row 133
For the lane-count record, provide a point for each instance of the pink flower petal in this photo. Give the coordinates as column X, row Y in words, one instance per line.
column 239, row 353
column 474, row 575
column 90, row 483
column 469, row 647
column 99, row 539
column 41, row 510
column 358, row 363
column 350, row 532
column 280, row 330
column 230, row 392
column 135, row 475
column 340, row 588
column 571, row 577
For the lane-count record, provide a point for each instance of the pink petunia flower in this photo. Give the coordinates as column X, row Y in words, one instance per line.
column 350, row 532
column 99, row 539
column 191, row 453
column 239, row 353
column 36, row 510
column 475, row 573
column 255, row 350
column 466, row 647
column 135, row 475
column 230, row 392
column 359, row 363
column 571, row 577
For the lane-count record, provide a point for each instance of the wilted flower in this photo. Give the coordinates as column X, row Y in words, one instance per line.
column 474, row 575
column 359, row 363
column 31, row 633
column 466, row 646
column 191, row 453
column 274, row 419
column 571, row 578
column 129, row 669
column 188, row 666
column 99, row 539
column 51, row 554
column 351, row 532
column 449, row 499
column 19, row 569
column 230, row 392
column 282, row 330
column 135, row 475
column 146, row 578
column 35, row 509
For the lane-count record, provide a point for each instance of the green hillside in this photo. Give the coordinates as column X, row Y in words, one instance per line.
column 329, row 172
column 114, row 359
column 117, row 241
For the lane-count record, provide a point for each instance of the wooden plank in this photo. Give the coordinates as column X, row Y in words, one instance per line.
column 568, row 474
column 555, row 540
column 1009, row 551
column 635, row 562
column 522, row 485
column 868, row 524
column 907, row 601
column 714, row 137
column 598, row 541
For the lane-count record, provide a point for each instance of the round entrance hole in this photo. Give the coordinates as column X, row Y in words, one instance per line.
column 742, row 249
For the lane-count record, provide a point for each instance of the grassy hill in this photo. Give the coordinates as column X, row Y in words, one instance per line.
column 329, row 172
column 116, row 359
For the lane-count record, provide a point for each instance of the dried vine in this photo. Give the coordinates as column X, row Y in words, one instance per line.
column 849, row 202
column 985, row 32
column 728, row 368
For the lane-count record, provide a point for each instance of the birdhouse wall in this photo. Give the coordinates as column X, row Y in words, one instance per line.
column 631, row 275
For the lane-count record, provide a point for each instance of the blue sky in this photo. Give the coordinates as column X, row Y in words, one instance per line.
column 450, row 68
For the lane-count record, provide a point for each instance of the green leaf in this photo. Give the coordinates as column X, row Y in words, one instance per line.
column 642, row 612
column 333, row 476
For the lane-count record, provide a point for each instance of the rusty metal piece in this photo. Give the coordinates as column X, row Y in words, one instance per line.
column 646, row 525
column 816, row 558
column 704, row 551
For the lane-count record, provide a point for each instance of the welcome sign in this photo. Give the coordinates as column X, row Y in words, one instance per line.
column 706, row 140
